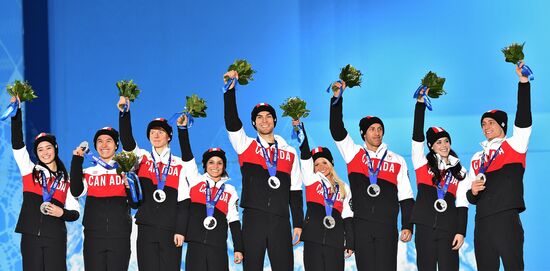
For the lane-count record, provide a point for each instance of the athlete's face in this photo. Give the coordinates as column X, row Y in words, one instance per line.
column 46, row 152
column 442, row 147
column 264, row 123
column 214, row 167
column 491, row 129
column 373, row 136
column 105, row 146
column 158, row 137
column 324, row 166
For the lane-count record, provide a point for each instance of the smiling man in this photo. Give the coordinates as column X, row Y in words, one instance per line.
column 498, row 187
column 380, row 185
column 107, row 221
column 271, row 181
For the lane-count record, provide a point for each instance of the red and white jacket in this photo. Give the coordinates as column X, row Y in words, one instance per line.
column 393, row 179
column 314, row 231
column 106, row 212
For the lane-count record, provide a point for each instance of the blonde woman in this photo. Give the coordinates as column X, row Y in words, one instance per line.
column 328, row 227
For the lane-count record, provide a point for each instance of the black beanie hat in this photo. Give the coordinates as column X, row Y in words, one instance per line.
column 45, row 137
column 435, row 133
column 499, row 116
column 366, row 122
column 161, row 123
column 322, row 152
column 263, row 107
column 211, row 153
column 110, row 131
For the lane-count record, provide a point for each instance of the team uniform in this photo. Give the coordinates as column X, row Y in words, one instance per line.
column 44, row 237
column 324, row 247
column 375, row 218
column 107, row 221
column 435, row 231
column 266, row 222
column 158, row 221
column 498, row 230
column 207, row 248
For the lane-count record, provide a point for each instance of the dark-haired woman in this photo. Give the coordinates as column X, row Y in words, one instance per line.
column 441, row 210
column 213, row 209
column 47, row 202
column 328, row 227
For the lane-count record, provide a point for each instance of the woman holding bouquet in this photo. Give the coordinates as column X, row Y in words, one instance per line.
column 107, row 222
column 441, row 209
column 162, row 215
column 328, row 227
column 47, row 203
column 213, row 207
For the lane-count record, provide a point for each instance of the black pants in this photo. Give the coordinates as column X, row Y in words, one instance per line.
column 375, row 245
column 434, row 249
column 105, row 254
column 318, row 257
column 156, row 250
column 263, row 231
column 204, row 257
column 43, row 253
column 499, row 236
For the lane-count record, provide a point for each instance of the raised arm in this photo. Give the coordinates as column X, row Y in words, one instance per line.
column 231, row 116
column 125, row 127
column 337, row 129
column 524, row 120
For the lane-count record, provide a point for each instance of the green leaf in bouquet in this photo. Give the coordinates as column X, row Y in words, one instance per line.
column 513, row 53
column 244, row 69
column 351, row 76
column 196, row 106
column 435, row 83
column 126, row 161
column 295, row 108
column 23, row 90
column 127, row 88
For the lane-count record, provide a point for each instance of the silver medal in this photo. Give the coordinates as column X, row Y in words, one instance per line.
column 373, row 190
column 274, row 182
column 440, row 205
column 43, row 207
column 329, row 222
column 159, row 196
column 210, row 223
column 481, row 177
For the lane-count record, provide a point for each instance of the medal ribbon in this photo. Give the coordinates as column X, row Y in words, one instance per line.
column 96, row 160
column 132, row 181
column 339, row 95
column 211, row 203
column 329, row 201
column 482, row 167
column 175, row 116
column 161, row 179
column 271, row 164
column 225, row 87
column 11, row 111
column 526, row 71
column 441, row 191
column 427, row 100
column 298, row 133
column 48, row 195
column 373, row 175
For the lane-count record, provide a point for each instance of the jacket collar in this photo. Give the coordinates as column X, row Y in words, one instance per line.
column 163, row 157
column 379, row 152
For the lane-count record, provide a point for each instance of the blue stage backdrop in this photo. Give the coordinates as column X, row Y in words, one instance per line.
column 176, row 48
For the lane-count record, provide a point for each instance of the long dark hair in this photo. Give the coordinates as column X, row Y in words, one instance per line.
column 433, row 166
column 60, row 170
